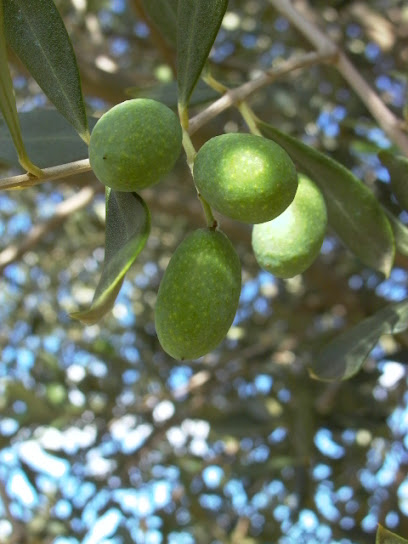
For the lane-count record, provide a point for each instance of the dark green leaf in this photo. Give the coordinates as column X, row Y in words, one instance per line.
column 400, row 233
column 197, row 27
column 344, row 356
column 398, row 170
column 37, row 34
column 353, row 210
column 127, row 230
column 49, row 139
column 8, row 104
column 387, row 537
column 167, row 93
column 163, row 13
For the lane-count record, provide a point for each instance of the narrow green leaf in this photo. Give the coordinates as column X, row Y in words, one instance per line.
column 163, row 13
column 400, row 233
column 353, row 210
column 197, row 27
column 344, row 356
column 167, row 93
column 8, row 104
column 36, row 32
column 387, row 537
column 127, row 230
column 49, row 139
column 398, row 169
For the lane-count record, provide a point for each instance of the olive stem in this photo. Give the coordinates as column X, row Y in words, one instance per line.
column 246, row 112
column 249, row 118
column 211, row 221
column 191, row 154
column 189, row 149
column 214, row 84
column 183, row 115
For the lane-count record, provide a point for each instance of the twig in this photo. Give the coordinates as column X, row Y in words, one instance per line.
column 230, row 98
column 62, row 211
column 385, row 118
column 242, row 92
column 55, row 172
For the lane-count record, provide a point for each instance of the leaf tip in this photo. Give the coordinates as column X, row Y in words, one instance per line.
column 85, row 135
column 315, row 375
column 84, row 317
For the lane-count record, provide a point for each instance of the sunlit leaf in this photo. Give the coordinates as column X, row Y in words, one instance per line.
column 8, row 105
column 163, row 13
column 398, row 170
column 127, row 230
column 387, row 537
column 167, row 93
column 49, row 139
column 353, row 210
column 36, row 32
column 344, row 356
column 197, row 27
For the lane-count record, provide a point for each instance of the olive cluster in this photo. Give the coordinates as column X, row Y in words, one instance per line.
column 242, row 176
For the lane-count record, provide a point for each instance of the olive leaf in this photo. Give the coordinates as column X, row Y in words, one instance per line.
column 49, row 139
column 387, row 537
column 344, row 356
column 353, row 211
column 198, row 23
column 398, row 170
column 36, row 32
column 400, row 233
column 127, row 230
column 8, row 104
column 163, row 13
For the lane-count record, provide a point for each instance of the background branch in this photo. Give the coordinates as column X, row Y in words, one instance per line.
column 62, row 211
column 385, row 118
column 241, row 93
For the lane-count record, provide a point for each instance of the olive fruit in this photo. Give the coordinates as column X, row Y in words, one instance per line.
column 287, row 245
column 198, row 295
column 134, row 144
column 245, row 177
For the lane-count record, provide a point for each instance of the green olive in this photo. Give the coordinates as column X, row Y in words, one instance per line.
column 288, row 245
column 198, row 295
column 245, row 177
column 135, row 144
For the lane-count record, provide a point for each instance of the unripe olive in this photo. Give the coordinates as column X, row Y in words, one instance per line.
column 245, row 177
column 198, row 295
column 287, row 245
column 134, row 144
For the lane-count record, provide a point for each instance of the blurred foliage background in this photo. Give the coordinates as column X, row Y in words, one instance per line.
column 104, row 438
